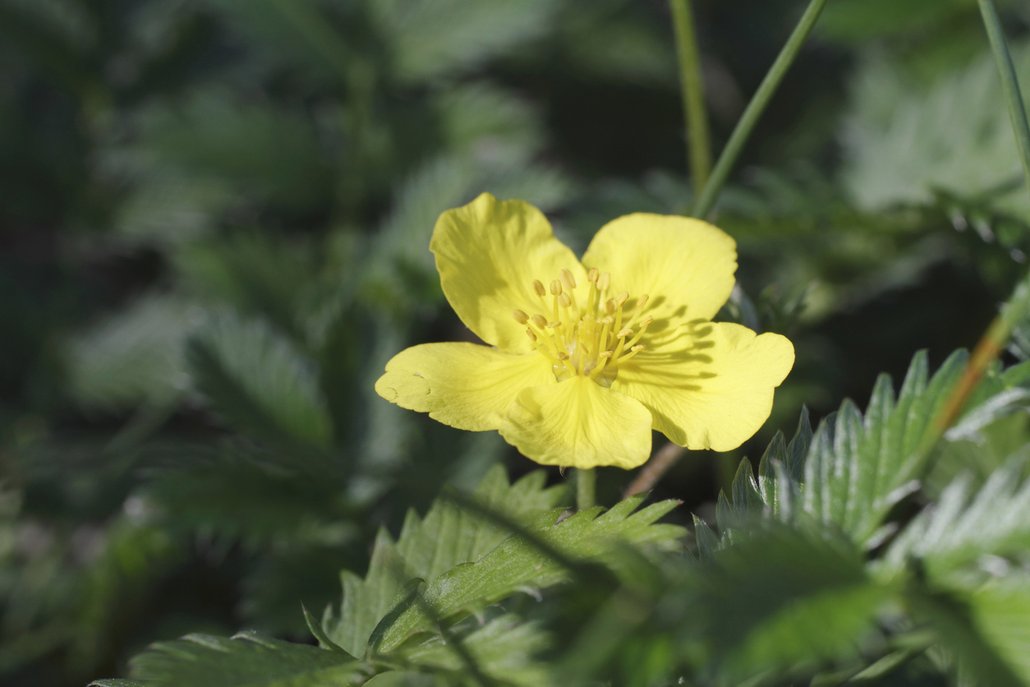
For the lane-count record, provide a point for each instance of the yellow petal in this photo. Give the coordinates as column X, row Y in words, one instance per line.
column 463, row 385
column 685, row 265
column 577, row 423
column 488, row 254
column 710, row 386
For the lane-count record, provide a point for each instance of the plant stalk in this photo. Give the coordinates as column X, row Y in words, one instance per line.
column 755, row 108
column 699, row 151
column 1009, row 82
column 586, row 489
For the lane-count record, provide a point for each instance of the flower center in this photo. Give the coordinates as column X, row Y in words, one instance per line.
column 589, row 333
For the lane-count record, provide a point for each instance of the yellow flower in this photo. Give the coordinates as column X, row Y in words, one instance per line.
column 585, row 358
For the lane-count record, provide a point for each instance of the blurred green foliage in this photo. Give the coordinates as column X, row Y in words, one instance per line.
column 214, row 234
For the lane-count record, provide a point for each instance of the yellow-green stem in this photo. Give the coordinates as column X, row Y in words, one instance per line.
column 1009, row 82
column 586, row 489
column 754, row 109
column 699, row 151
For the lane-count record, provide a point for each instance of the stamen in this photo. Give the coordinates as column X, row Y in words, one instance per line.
column 589, row 335
column 644, row 324
column 602, row 361
column 568, row 279
column 632, row 352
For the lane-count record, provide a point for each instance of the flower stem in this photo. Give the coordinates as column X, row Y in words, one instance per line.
column 754, row 109
column 1009, row 82
column 699, row 150
column 586, row 489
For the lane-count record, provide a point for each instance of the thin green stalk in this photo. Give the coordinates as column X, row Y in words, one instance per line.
column 1017, row 308
column 699, row 151
column 586, row 489
column 1009, row 82
column 754, row 109
column 991, row 344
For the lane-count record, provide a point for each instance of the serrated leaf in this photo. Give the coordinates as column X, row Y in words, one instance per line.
column 960, row 529
column 504, row 648
column 774, row 493
column 427, row 548
column 259, row 381
column 244, row 661
column 859, row 467
column 814, row 602
column 430, row 38
column 987, row 630
column 906, row 142
column 260, row 150
column 135, row 356
column 237, row 490
column 516, row 563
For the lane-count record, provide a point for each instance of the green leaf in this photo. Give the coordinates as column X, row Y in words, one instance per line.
column 244, row 661
column 259, row 381
column 504, row 648
column 238, row 490
column 135, row 356
column 776, row 491
column 431, row 38
column 447, row 537
column 517, row 563
column 959, row 530
column 250, row 271
column 450, row 535
column 260, row 150
column 782, row 599
column 859, row 467
column 119, row 682
column 906, row 142
column 987, row 629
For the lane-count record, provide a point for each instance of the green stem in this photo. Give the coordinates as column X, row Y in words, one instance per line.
column 754, row 109
column 699, row 150
column 1015, row 311
column 1009, row 82
column 586, row 489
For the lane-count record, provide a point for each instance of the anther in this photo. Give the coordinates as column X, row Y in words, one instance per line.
column 604, row 281
column 568, row 279
column 610, row 307
column 642, row 301
column 621, row 299
column 592, row 275
column 538, row 286
column 623, row 333
column 531, row 335
column 555, row 287
column 539, row 321
column 520, row 316
column 565, row 300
